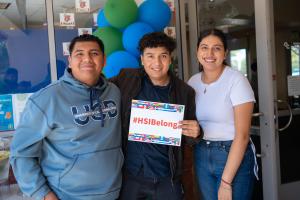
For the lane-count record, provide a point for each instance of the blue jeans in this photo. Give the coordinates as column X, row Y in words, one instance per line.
column 142, row 188
column 210, row 160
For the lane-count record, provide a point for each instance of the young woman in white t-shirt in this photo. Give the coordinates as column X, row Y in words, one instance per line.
column 224, row 160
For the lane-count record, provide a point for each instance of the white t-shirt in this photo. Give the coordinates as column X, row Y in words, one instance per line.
column 214, row 107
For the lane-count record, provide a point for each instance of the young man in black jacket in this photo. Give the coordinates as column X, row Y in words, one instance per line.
column 153, row 171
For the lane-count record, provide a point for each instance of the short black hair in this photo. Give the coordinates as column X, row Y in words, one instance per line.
column 215, row 32
column 157, row 39
column 86, row 38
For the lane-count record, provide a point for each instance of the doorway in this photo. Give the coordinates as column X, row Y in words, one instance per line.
column 266, row 50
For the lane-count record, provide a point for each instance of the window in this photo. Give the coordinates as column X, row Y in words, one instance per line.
column 295, row 60
column 238, row 60
column 24, row 50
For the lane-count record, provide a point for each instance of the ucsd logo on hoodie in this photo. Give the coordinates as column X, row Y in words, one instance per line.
column 83, row 116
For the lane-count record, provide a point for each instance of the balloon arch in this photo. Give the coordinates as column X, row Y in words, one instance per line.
column 121, row 24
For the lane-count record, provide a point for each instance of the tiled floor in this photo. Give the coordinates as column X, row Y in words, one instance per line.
column 12, row 192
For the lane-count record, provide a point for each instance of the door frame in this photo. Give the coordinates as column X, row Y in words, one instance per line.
column 265, row 47
column 269, row 134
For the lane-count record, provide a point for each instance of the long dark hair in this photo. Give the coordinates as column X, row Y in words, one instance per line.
column 215, row 32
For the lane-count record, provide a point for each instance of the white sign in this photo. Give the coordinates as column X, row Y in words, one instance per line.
column 293, row 85
column 66, row 48
column 171, row 4
column 95, row 16
column 67, row 19
column 154, row 122
column 19, row 102
column 170, row 31
column 84, row 31
column 82, row 6
column 139, row 2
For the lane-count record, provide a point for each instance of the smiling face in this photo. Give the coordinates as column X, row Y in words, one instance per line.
column 86, row 62
column 211, row 53
column 156, row 63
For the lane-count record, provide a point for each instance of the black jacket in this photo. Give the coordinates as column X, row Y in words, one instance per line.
column 130, row 81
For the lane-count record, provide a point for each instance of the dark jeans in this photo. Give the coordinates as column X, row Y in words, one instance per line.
column 139, row 187
column 210, row 160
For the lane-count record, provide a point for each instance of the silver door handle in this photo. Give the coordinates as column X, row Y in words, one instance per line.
column 290, row 112
column 258, row 114
column 260, row 155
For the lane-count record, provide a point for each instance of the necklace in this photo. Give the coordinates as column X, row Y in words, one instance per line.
column 210, row 82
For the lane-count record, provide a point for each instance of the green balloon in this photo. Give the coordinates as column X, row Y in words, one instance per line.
column 111, row 38
column 120, row 13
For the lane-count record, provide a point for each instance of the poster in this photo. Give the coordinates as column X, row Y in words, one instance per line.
column 171, row 4
column 19, row 102
column 95, row 16
column 139, row 2
column 83, row 31
column 82, row 6
column 293, row 85
column 66, row 19
column 170, row 31
column 66, row 48
column 6, row 113
column 154, row 122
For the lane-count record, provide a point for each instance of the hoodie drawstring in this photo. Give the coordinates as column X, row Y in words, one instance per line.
column 94, row 95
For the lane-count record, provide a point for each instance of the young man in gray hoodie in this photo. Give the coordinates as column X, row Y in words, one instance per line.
column 68, row 143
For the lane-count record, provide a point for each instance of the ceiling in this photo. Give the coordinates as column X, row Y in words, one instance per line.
column 23, row 14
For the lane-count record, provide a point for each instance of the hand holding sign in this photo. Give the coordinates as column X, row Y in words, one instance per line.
column 190, row 128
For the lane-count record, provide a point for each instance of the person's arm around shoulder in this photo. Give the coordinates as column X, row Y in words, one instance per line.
column 114, row 80
column 117, row 80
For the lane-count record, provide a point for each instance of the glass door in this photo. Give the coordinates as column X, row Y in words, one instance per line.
column 287, row 45
column 266, row 50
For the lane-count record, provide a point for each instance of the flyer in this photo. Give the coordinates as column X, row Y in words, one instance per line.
column 170, row 31
column 19, row 102
column 293, row 85
column 95, row 16
column 155, row 122
column 66, row 19
column 139, row 2
column 82, row 6
column 6, row 113
column 66, row 48
column 84, row 31
column 171, row 4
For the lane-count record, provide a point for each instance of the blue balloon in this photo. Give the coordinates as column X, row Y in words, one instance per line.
column 156, row 13
column 101, row 20
column 118, row 60
column 132, row 35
